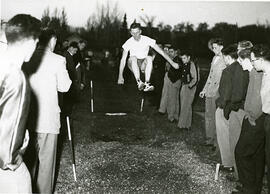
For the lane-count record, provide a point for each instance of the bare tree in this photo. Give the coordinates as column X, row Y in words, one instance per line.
column 148, row 20
column 168, row 28
column 63, row 18
column 55, row 13
column 160, row 26
column 183, row 27
column 105, row 25
column 58, row 21
column 105, row 15
column 45, row 20
column 179, row 27
column 202, row 27
column 189, row 27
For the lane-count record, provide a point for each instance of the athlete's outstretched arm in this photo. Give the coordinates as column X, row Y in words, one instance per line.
column 163, row 54
column 121, row 67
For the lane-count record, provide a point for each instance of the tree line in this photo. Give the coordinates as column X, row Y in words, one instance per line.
column 108, row 29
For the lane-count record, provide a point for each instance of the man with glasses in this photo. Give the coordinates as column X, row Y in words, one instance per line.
column 139, row 60
column 250, row 149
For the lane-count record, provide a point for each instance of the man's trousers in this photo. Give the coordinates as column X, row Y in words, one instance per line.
column 250, row 155
column 44, row 166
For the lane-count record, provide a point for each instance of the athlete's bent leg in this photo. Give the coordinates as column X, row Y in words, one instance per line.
column 133, row 66
column 148, row 70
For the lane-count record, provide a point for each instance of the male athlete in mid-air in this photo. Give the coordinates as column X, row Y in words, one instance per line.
column 138, row 46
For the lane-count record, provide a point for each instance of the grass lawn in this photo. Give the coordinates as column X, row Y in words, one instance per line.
column 136, row 153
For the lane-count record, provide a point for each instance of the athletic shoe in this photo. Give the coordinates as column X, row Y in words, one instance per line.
column 140, row 85
column 148, row 87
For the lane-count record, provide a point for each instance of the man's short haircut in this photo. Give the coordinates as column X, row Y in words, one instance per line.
column 217, row 41
column 245, row 44
column 261, row 51
column 45, row 36
column 231, row 51
column 82, row 41
column 135, row 25
column 244, row 53
column 172, row 47
column 22, row 26
column 186, row 52
column 73, row 44
column 244, row 49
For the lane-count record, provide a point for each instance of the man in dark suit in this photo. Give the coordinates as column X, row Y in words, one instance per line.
column 69, row 97
column 78, row 59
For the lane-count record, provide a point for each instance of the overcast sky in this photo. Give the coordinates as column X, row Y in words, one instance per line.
column 166, row 11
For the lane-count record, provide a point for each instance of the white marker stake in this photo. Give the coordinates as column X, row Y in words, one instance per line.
column 142, row 101
column 116, row 114
column 217, row 171
column 72, row 151
column 92, row 96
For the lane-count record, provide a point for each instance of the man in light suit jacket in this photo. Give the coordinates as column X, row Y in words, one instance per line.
column 48, row 76
column 210, row 90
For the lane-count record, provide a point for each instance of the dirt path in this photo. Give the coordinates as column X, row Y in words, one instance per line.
column 136, row 153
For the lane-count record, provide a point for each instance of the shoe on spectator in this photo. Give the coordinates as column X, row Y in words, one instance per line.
column 148, row 87
column 184, row 128
column 214, row 148
column 231, row 177
column 239, row 186
column 140, row 85
column 238, row 190
column 172, row 120
column 160, row 113
column 226, row 168
column 208, row 144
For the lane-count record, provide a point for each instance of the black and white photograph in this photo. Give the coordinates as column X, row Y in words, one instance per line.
column 135, row 96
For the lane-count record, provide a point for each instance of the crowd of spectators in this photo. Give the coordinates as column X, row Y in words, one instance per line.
column 236, row 92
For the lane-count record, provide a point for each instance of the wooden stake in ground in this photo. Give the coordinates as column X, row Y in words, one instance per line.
column 142, row 103
column 92, row 96
column 143, row 95
column 217, row 171
column 72, row 151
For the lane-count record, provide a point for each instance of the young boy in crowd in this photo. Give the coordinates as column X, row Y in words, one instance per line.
column 174, row 86
column 222, row 103
column 249, row 150
column 210, row 90
column 235, row 108
column 261, row 62
column 70, row 97
column 169, row 102
column 189, row 77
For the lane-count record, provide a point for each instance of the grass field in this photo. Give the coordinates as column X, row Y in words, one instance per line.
column 136, row 153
